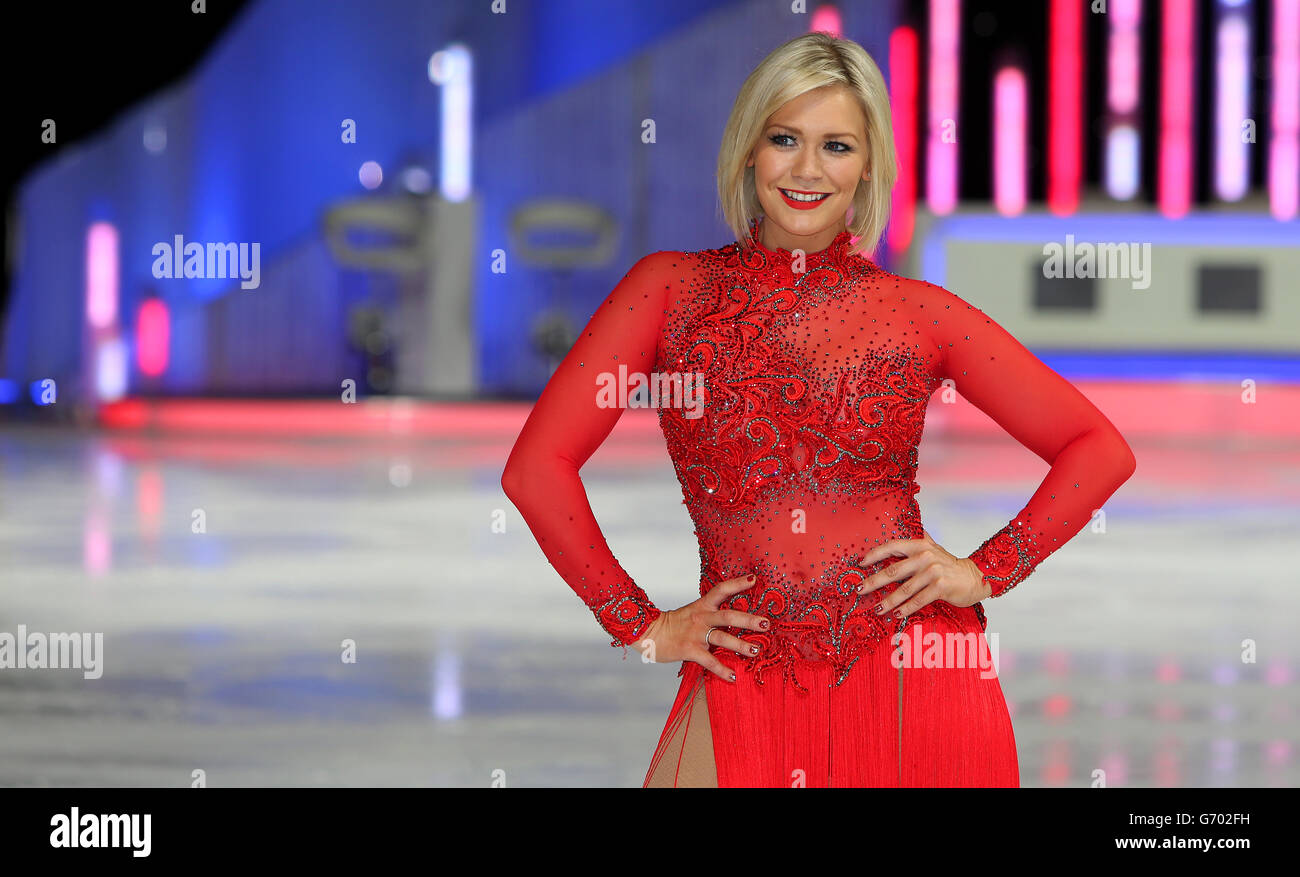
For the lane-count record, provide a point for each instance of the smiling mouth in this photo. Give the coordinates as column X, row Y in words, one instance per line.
column 810, row 197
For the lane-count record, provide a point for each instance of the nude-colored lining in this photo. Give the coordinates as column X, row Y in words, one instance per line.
column 686, row 759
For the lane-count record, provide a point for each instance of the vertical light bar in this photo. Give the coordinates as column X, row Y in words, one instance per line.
column 448, row 687
column 1009, row 131
column 1125, row 57
column 941, row 157
column 1284, row 142
column 1231, row 99
column 1177, row 84
column 826, row 19
column 104, row 353
column 452, row 69
column 97, row 542
column 152, row 328
column 102, row 276
column 1123, row 159
column 149, row 503
column 1123, row 162
column 1064, row 106
column 903, row 71
column 110, row 369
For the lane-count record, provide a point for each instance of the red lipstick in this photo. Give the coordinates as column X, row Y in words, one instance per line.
column 802, row 205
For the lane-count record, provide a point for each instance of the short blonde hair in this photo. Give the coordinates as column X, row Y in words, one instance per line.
column 810, row 61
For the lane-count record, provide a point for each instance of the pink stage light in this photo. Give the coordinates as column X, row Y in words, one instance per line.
column 903, row 51
column 1232, row 105
column 1177, row 84
column 152, row 330
column 96, row 543
column 1284, row 144
column 1125, row 64
column 149, row 502
column 941, row 156
column 102, row 276
column 1064, row 106
column 1123, row 163
column 1009, row 129
column 826, row 19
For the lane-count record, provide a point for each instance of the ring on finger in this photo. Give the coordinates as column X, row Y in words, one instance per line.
column 706, row 636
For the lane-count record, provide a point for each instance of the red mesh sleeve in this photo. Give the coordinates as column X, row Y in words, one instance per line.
column 1043, row 411
column 570, row 420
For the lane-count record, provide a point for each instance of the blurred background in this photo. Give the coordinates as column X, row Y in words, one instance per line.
column 284, row 278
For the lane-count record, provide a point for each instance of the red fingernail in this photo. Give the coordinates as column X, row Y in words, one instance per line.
column 750, row 579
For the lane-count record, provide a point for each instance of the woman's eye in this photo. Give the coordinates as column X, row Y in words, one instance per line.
column 777, row 138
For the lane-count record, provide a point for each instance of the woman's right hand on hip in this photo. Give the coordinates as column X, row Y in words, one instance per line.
column 679, row 634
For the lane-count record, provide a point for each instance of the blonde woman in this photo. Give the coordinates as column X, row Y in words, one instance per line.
column 834, row 643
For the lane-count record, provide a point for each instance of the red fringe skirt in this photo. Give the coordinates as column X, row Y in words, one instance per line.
column 884, row 726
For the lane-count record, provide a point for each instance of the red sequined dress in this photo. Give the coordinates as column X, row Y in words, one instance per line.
column 814, row 372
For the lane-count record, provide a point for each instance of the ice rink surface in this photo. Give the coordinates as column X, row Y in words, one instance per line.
column 228, row 576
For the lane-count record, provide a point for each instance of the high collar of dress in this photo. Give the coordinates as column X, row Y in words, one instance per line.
column 783, row 257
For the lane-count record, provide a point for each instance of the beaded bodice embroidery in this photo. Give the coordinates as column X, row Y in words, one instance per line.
column 806, row 408
column 811, row 376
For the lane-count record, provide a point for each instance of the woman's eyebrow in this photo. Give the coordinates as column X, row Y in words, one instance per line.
column 800, row 133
